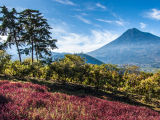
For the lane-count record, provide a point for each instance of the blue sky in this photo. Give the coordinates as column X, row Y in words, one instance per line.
column 86, row 25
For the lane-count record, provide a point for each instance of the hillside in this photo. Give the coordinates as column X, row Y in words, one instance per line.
column 33, row 101
column 90, row 59
column 132, row 47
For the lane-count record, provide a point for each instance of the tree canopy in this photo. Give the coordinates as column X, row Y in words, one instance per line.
column 27, row 28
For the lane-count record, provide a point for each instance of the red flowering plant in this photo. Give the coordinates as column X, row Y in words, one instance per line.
column 31, row 101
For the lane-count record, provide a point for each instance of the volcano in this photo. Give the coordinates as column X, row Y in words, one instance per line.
column 132, row 47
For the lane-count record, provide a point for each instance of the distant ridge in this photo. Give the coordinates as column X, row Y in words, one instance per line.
column 90, row 59
column 55, row 56
column 132, row 47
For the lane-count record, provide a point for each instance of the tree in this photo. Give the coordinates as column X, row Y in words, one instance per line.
column 131, row 68
column 37, row 33
column 10, row 27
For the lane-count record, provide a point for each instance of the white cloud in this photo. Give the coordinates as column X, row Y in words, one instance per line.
column 114, row 15
column 77, row 9
column 84, row 14
column 154, row 33
column 90, row 6
column 143, row 25
column 101, row 6
column 82, row 19
column 75, row 43
column 153, row 14
column 121, row 22
column 65, row 2
column 96, row 25
column 105, row 21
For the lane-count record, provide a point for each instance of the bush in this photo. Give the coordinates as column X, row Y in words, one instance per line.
column 4, row 61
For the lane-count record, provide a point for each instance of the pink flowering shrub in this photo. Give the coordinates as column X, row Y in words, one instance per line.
column 29, row 101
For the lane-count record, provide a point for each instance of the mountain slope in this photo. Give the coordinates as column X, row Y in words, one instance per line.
column 132, row 47
column 90, row 59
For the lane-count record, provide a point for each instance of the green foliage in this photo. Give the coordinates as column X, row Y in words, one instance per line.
column 144, row 75
column 11, row 27
column 111, row 67
column 131, row 80
column 90, row 59
column 26, row 68
column 36, row 33
column 27, row 27
column 73, row 69
column 149, row 86
column 131, row 69
column 4, row 61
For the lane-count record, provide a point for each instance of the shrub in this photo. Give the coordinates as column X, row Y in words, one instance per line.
column 31, row 101
column 4, row 61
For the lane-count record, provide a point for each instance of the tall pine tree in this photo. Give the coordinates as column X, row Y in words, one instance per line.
column 37, row 33
column 12, row 28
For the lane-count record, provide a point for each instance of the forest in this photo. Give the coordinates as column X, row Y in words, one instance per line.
column 29, row 28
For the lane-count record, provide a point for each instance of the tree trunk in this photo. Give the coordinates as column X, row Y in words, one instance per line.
column 32, row 59
column 17, row 47
column 36, row 51
column 18, row 52
column 32, row 52
column 37, row 56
